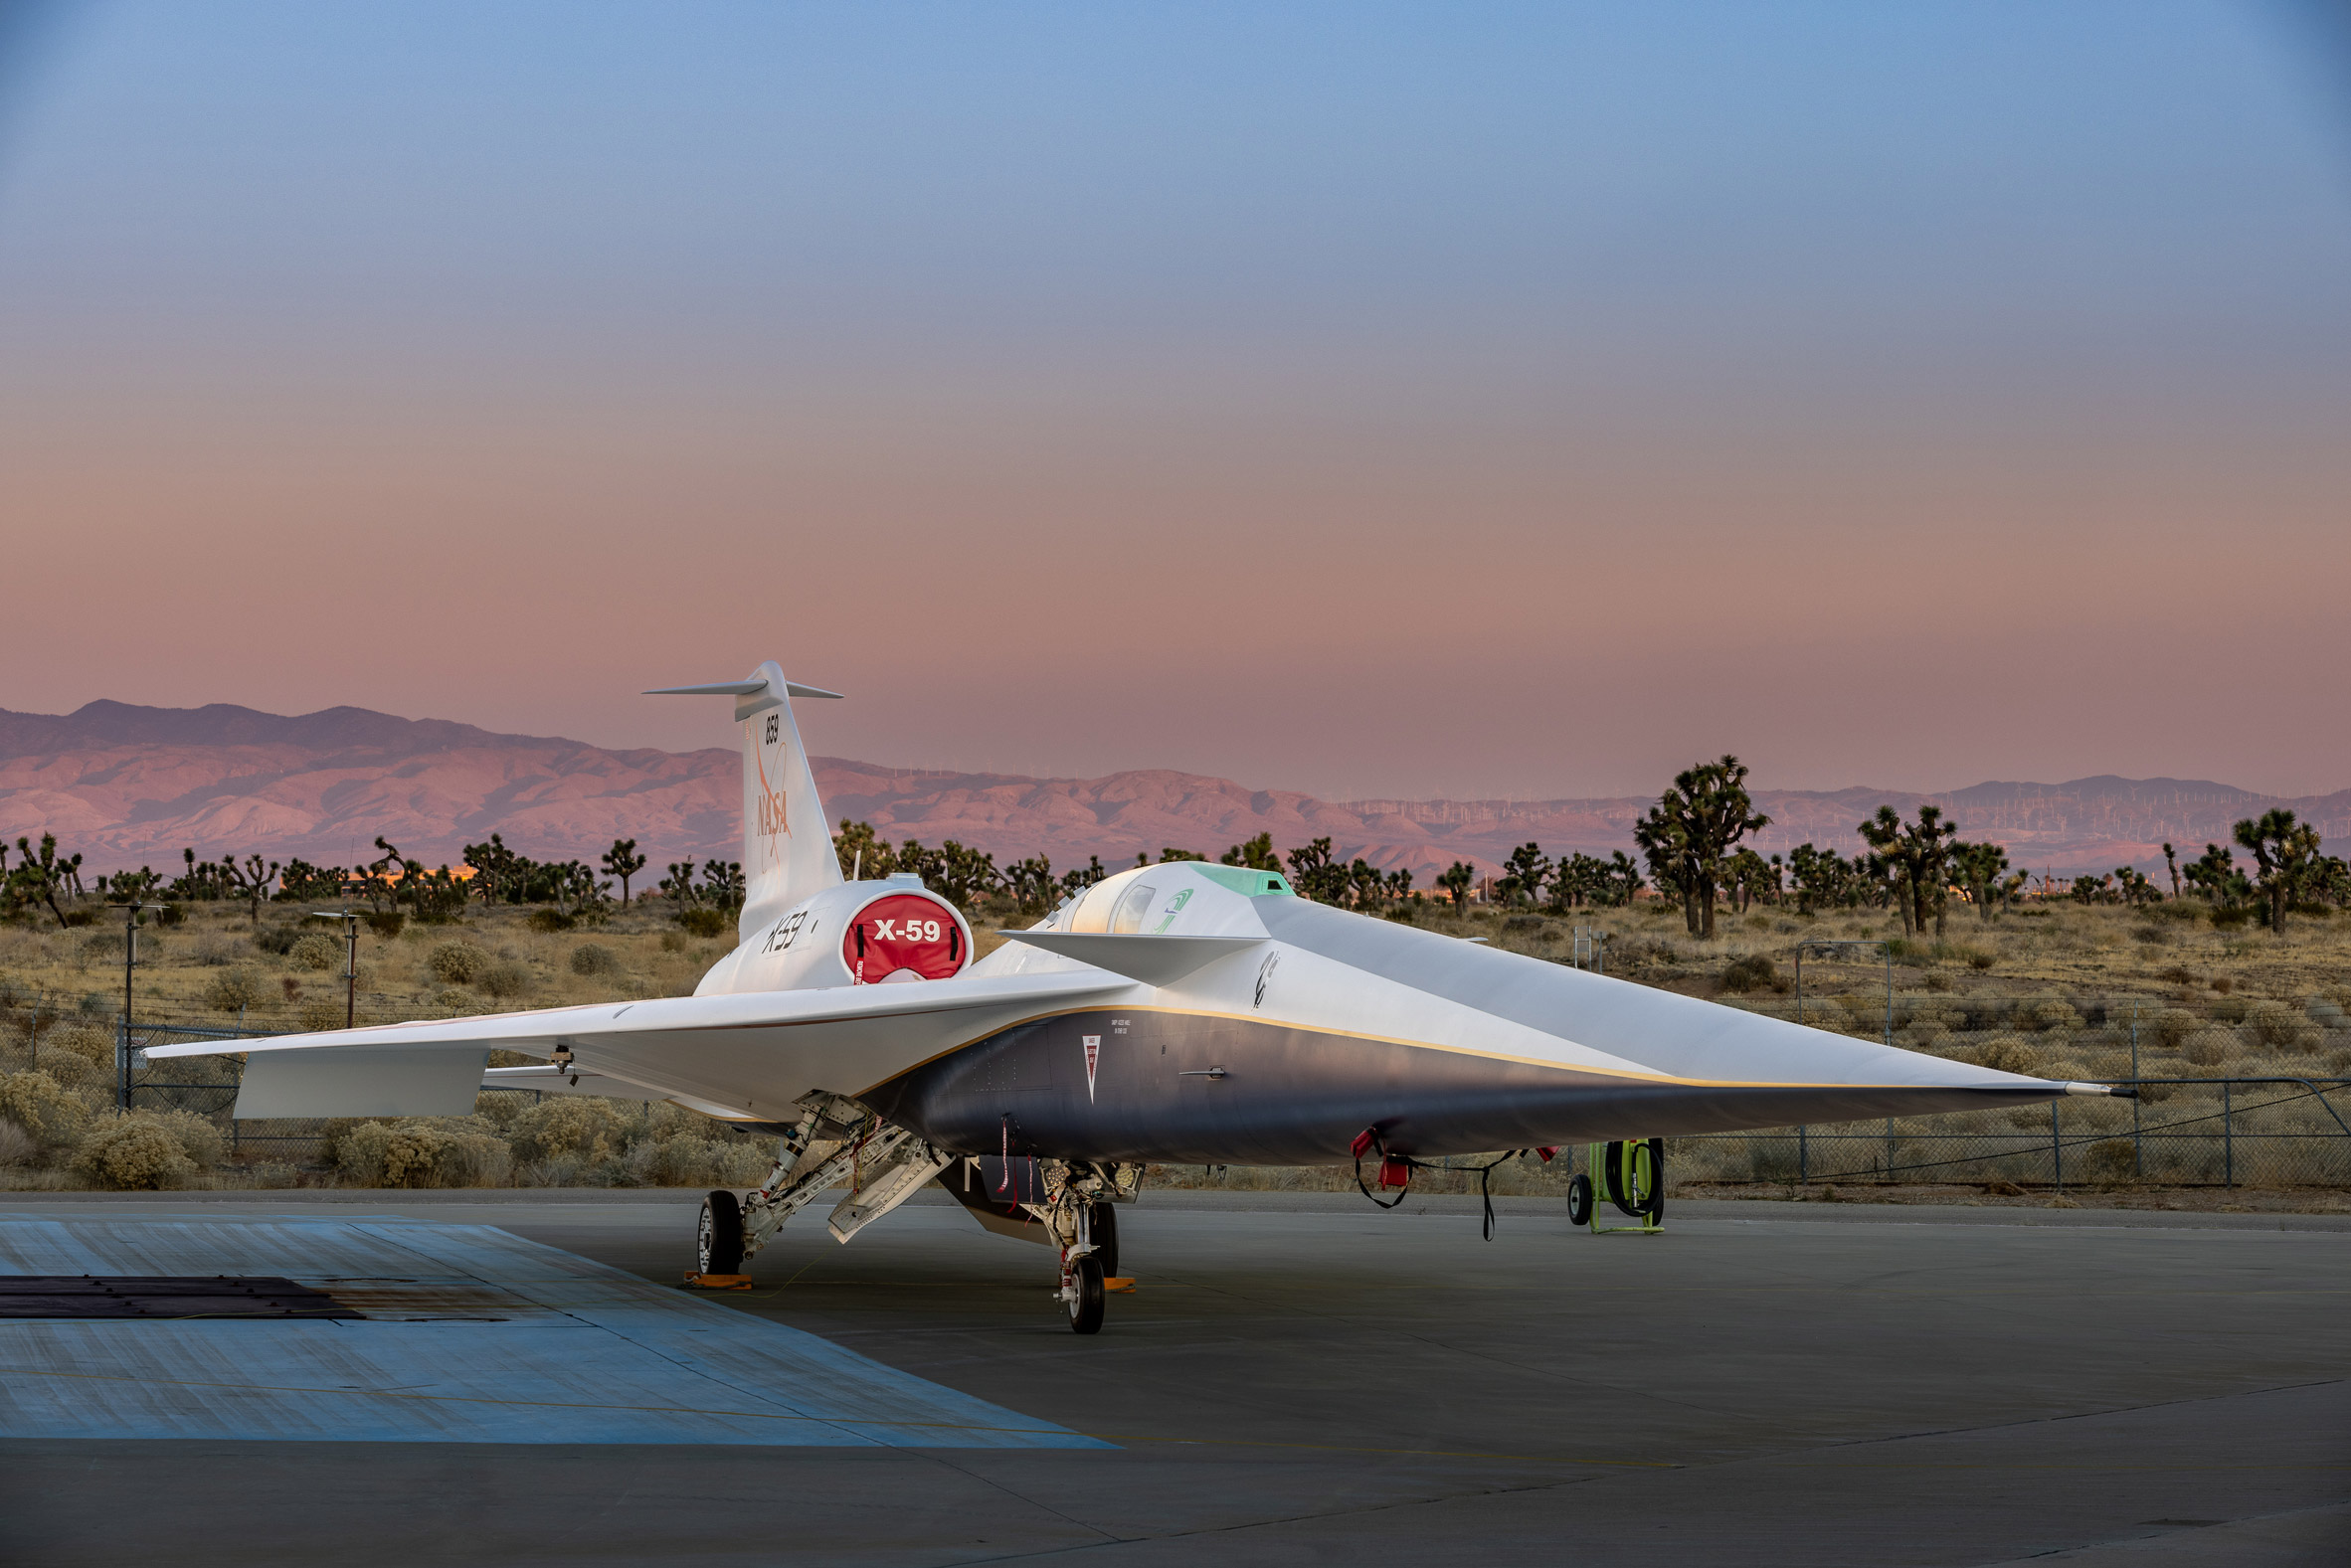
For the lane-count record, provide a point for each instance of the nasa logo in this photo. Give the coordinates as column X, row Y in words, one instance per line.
column 773, row 821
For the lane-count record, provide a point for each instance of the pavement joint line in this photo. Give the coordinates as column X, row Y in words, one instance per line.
column 852, row 1421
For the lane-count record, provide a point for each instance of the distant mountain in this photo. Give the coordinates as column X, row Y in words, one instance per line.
column 131, row 786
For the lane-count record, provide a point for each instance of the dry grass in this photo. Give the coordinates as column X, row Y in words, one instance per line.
column 2052, row 989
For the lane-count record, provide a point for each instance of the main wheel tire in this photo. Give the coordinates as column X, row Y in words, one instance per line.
column 1579, row 1200
column 718, row 1239
column 1103, row 1226
column 1085, row 1307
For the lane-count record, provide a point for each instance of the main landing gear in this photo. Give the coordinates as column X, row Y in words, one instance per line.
column 835, row 1138
column 838, row 1138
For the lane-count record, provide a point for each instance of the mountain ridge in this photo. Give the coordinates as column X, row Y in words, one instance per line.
column 128, row 784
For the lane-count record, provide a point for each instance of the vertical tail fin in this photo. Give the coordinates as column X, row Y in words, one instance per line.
column 786, row 848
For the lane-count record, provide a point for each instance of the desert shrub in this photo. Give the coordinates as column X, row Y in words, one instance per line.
column 672, row 942
column 385, row 923
column 2230, row 1010
column 551, row 920
column 102, row 944
column 577, row 1124
column 1754, row 973
column 2210, row 1047
column 684, row 1159
column 273, row 1173
column 212, row 950
column 1981, row 957
column 2048, row 1011
column 459, row 962
column 2108, row 1162
column 40, row 1104
column 2327, row 1014
column 499, row 1108
column 506, row 978
column 2009, row 1056
column 423, row 1151
column 87, row 1041
column 2277, row 1027
column 235, row 988
column 2152, row 934
column 594, row 958
column 321, row 1013
column 315, row 950
column 2172, row 1026
column 703, row 922
column 278, row 940
column 135, row 1154
column 17, row 1147
column 198, row 1139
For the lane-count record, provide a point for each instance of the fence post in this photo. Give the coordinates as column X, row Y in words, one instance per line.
column 1889, row 1151
column 2228, row 1138
column 2138, row 1167
column 1802, row 1151
column 2057, row 1149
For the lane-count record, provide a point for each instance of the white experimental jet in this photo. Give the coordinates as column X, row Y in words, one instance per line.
column 1182, row 1012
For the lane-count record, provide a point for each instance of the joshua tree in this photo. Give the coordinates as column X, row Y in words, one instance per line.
column 42, row 874
column 2214, row 874
column 251, row 881
column 623, row 861
column 1692, row 831
column 1255, row 855
column 679, row 884
column 1030, row 882
column 1315, row 874
column 1979, row 868
column 722, row 883
column 2284, row 851
column 1524, row 874
column 1456, row 882
column 2135, row 888
column 2171, row 860
column 1916, row 856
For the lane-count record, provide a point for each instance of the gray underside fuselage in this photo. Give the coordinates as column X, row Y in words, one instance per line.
column 1190, row 1088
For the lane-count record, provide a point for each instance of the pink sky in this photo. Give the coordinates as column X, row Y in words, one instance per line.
column 1988, row 417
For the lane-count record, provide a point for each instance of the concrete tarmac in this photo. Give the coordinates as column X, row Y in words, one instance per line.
column 1300, row 1378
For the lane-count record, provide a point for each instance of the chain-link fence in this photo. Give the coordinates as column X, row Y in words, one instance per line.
column 2231, row 1091
column 207, row 1086
column 2229, row 1132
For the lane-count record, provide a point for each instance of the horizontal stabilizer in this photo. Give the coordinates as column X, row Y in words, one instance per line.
column 739, row 688
column 1154, row 960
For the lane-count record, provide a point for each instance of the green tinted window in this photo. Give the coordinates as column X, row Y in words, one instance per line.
column 1257, row 884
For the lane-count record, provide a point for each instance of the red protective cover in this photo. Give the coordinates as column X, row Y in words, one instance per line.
column 903, row 930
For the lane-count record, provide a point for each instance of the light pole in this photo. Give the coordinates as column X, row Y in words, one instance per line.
column 351, row 967
column 130, row 960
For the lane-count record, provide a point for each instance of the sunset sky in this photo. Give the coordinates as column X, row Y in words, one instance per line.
column 1455, row 398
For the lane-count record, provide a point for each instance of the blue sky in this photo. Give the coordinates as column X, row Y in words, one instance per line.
column 1515, row 391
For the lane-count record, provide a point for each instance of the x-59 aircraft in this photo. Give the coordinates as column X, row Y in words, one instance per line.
column 1181, row 1012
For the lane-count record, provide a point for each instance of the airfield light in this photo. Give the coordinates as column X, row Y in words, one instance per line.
column 130, row 959
column 350, row 968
